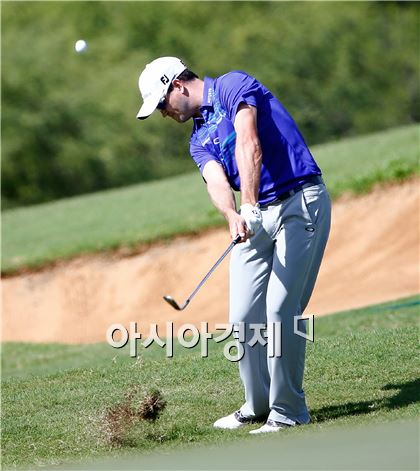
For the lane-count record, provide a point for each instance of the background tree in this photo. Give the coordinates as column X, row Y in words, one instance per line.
column 68, row 120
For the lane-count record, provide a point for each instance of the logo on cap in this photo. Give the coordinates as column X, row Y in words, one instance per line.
column 164, row 79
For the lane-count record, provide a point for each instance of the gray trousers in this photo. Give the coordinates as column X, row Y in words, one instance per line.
column 272, row 276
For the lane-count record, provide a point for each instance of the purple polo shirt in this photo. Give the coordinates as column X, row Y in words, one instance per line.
column 286, row 159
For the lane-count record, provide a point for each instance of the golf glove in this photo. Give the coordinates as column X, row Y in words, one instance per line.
column 252, row 216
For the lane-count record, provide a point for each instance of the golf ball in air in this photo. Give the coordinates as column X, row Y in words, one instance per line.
column 80, row 46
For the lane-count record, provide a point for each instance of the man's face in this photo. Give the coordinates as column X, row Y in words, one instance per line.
column 177, row 104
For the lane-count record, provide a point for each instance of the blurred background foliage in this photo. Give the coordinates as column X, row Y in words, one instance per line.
column 68, row 120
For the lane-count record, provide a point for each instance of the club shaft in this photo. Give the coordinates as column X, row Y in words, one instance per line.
column 232, row 244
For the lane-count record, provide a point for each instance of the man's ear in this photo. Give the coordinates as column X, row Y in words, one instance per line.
column 176, row 83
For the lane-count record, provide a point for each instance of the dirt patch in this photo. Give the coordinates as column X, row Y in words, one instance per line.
column 119, row 419
column 372, row 256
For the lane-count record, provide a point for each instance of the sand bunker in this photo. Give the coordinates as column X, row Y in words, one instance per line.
column 372, row 256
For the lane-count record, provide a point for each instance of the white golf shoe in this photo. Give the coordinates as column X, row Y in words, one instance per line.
column 232, row 421
column 270, row 426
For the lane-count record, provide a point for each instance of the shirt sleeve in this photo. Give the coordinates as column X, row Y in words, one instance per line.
column 236, row 88
column 201, row 156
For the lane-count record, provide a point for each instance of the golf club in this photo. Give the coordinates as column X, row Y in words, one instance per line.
column 170, row 300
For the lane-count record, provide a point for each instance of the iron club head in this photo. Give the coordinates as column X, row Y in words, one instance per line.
column 170, row 300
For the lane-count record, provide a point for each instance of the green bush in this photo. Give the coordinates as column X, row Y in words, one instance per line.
column 68, row 119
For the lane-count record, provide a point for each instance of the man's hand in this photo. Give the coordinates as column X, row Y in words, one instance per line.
column 237, row 226
column 252, row 216
column 246, row 223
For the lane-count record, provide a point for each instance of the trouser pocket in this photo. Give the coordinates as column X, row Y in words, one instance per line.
column 311, row 201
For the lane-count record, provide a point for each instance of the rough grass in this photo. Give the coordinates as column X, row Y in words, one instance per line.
column 362, row 369
column 140, row 214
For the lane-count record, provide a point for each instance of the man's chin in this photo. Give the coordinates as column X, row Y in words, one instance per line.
column 182, row 118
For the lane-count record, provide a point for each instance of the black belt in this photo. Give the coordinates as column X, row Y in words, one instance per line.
column 310, row 181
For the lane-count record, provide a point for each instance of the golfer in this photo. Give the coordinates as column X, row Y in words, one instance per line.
column 244, row 140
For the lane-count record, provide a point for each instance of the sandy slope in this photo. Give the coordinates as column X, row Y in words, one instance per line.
column 372, row 256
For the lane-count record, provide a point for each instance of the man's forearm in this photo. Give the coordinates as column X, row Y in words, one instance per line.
column 248, row 153
column 248, row 158
column 222, row 197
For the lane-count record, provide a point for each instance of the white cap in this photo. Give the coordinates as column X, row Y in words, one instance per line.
column 155, row 80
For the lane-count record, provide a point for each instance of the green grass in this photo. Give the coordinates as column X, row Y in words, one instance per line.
column 355, row 165
column 36, row 235
column 362, row 369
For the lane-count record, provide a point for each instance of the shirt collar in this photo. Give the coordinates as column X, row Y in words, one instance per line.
column 208, row 94
column 208, row 97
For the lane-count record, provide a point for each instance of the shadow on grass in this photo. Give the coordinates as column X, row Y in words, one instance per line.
column 407, row 393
